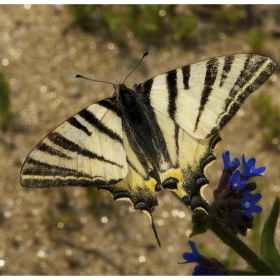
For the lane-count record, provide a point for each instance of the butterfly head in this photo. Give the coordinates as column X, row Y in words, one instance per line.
column 124, row 88
column 127, row 95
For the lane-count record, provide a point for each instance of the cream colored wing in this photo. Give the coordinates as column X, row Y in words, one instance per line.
column 86, row 150
column 202, row 97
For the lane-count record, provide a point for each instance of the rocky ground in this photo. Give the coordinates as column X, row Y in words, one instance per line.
column 54, row 231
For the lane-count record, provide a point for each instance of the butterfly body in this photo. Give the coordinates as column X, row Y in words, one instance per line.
column 158, row 134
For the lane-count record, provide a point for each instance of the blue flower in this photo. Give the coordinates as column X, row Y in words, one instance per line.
column 114, row 86
column 228, row 164
column 249, row 168
column 248, row 203
column 135, row 85
column 233, row 204
column 191, row 257
column 205, row 266
column 235, row 182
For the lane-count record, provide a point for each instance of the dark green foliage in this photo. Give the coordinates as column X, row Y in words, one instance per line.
column 5, row 106
column 183, row 28
column 228, row 17
column 223, row 18
column 269, row 252
column 149, row 23
column 145, row 20
column 114, row 20
column 82, row 14
column 268, row 117
column 256, row 40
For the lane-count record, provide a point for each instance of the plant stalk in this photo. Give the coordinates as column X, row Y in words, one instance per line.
column 241, row 248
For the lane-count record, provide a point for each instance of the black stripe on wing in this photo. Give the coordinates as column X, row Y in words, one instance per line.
column 111, row 104
column 96, row 123
column 48, row 183
column 50, row 150
column 74, row 122
column 171, row 82
column 186, row 76
column 262, row 77
column 60, row 177
column 135, row 169
column 210, row 78
column 176, row 134
column 35, row 167
column 66, row 144
column 226, row 69
column 249, row 70
column 58, row 182
column 144, row 89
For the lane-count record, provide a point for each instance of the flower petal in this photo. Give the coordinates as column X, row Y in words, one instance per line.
column 255, row 198
column 191, row 257
column 248, row 213
column 248, row 204
column 256, row 209
column 235, row 183
column 228, row 164
column 249, row 168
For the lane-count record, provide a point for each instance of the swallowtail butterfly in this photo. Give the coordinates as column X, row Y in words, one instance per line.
column 157, row 134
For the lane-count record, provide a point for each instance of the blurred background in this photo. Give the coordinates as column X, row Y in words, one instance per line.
column 76, row 231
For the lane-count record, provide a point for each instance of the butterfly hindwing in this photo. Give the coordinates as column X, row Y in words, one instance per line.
column 185, row 174
column 137, row 185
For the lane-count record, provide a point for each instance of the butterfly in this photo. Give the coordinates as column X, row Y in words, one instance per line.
column 159, row 134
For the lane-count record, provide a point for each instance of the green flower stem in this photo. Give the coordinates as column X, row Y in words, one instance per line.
column 241, row 248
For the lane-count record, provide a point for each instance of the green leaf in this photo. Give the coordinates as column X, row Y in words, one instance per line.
column 269, row 252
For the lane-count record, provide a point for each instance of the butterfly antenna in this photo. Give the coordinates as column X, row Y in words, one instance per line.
column 80, row 76
column 145, row 54
column 154, row 229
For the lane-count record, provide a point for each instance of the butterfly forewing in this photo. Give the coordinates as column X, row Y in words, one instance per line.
column 85, row 150
column 202, row 97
